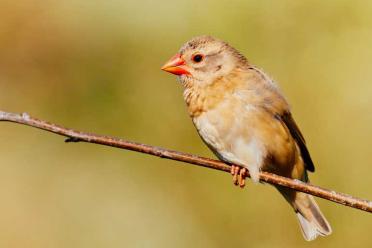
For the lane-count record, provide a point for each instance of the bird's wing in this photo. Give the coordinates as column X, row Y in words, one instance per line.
column 270, row 98
column 288, row 120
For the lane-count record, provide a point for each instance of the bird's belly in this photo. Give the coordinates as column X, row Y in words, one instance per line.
column 229, row 135
column 220, row 127
column 210, row 130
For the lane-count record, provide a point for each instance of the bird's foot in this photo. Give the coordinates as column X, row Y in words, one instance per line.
column 239, row 175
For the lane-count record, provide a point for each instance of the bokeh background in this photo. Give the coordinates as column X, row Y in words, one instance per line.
column 94, row 66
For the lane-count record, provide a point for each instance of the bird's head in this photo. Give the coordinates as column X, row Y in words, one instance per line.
column 204, row 59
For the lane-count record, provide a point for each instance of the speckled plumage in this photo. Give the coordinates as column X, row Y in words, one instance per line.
column 244, row 119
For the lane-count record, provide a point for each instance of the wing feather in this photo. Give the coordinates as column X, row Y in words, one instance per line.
column 299, row 138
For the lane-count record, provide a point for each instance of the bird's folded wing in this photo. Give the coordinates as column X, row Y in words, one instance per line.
column 288, row 120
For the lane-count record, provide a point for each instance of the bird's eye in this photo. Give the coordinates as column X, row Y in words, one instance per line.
column 197, row 58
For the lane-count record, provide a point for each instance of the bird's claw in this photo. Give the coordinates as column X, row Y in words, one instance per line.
column 239, row 175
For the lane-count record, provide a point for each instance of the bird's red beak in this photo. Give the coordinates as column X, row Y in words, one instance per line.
column 175, row 66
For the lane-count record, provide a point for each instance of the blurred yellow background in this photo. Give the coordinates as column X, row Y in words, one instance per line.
column 94, row 66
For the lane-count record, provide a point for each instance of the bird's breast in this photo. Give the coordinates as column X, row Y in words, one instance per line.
column 219, row 127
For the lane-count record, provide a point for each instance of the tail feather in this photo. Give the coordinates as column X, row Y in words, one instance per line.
column 308, row 231
column 312, row 221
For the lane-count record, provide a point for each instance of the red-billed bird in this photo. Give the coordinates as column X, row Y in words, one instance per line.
column 244, row 119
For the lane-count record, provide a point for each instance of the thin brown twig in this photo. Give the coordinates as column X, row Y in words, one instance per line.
column 76, row 136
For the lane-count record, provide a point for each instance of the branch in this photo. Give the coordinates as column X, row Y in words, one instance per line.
column 76, row 136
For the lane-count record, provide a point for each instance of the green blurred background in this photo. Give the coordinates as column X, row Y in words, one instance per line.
column 94, row 66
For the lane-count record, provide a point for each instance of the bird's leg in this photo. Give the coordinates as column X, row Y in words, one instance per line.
column 242, row 175
column 235, row 171
column 239, row 175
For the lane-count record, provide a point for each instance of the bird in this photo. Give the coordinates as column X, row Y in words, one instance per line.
column 245, row 120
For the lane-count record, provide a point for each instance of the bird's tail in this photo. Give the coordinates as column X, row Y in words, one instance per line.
column 312, row 221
